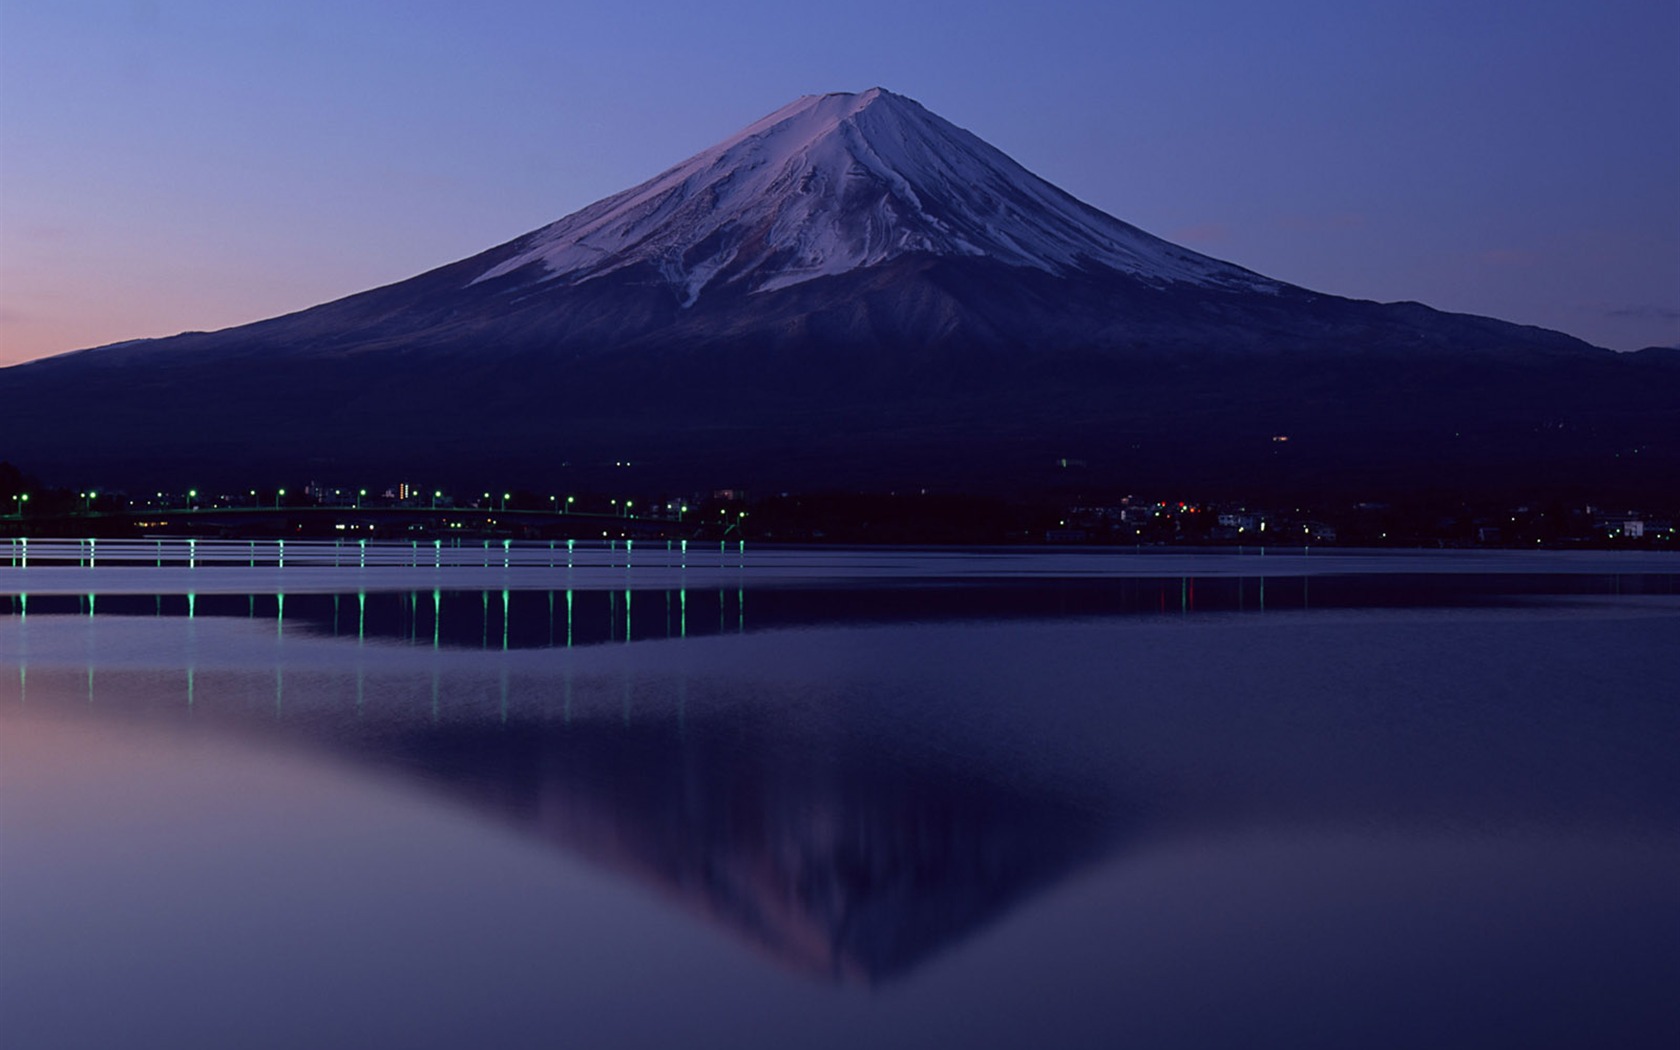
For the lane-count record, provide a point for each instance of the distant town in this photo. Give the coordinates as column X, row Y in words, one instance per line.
column 406, row 510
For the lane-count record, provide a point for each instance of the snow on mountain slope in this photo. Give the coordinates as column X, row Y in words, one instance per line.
column 832, row 183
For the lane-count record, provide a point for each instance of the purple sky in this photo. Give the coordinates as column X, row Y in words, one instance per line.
column 167, row 166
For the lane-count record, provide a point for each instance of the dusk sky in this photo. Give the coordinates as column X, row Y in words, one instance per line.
column 168, row 165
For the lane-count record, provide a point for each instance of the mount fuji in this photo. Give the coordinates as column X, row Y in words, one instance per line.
column 854, row 292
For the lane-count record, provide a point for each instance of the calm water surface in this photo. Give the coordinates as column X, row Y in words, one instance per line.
column 872, row 799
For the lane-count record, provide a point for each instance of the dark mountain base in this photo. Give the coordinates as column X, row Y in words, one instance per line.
column 1606, row 427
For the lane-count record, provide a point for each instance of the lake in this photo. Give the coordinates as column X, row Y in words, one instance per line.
column 523, row 795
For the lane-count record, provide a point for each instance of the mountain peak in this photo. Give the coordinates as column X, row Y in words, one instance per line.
column 833, row 183
column 863, row 97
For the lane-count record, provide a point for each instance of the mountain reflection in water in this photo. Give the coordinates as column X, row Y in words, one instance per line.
column 836, row 860
column 840, row 846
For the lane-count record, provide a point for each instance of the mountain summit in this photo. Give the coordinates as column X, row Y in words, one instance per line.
column 834, row 183
column 853, row 292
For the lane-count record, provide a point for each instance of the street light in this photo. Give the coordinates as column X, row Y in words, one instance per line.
column 361, row 494
column 279, row 495
column 19, row 500
column 192, row 497
column 504, row 501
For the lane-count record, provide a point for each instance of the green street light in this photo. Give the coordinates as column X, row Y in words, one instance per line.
column 504, row 501
column 279, row 495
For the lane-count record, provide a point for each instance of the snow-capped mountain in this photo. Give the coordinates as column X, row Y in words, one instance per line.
column 854, row 292
column 834, row 183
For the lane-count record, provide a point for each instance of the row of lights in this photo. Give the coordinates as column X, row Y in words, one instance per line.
column 192, row 499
